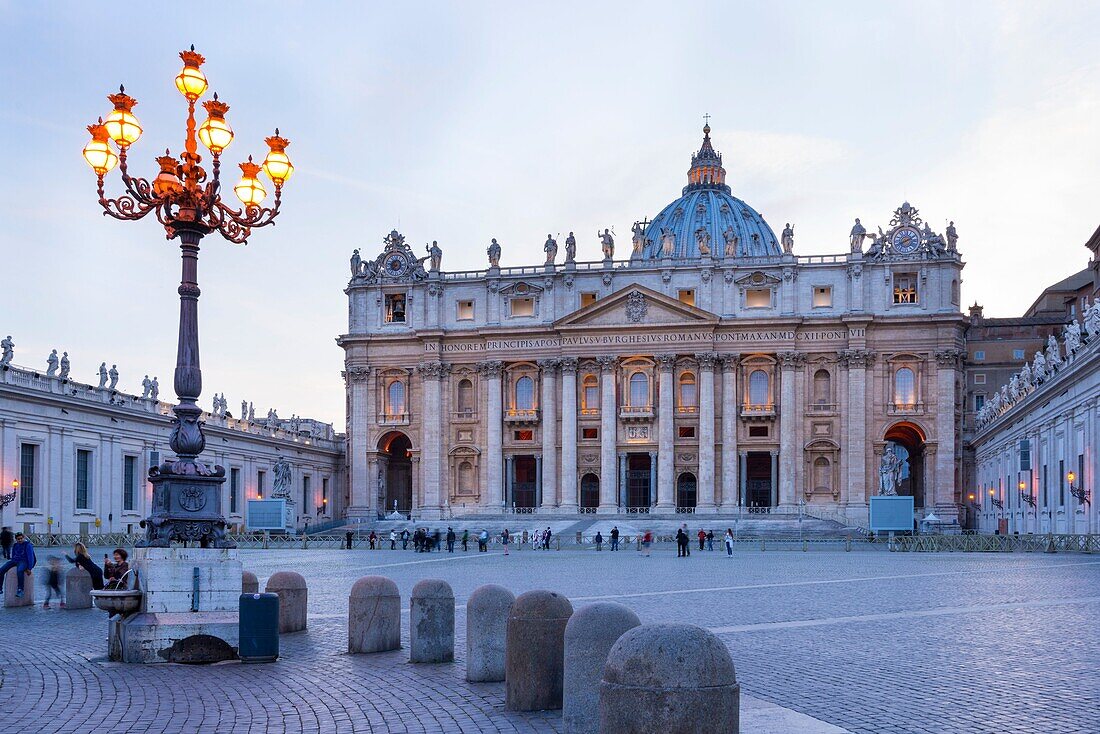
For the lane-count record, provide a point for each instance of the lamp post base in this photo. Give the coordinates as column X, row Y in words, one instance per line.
column 186, row 506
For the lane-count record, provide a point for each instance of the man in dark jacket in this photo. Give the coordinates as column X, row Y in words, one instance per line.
column 6, row 539
column 615, row 538
column 546, row 539
column 450, row 540
column 22, row 560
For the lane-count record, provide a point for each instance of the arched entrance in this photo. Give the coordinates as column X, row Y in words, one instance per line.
column 686, row 491
column 590, row 491
column 395, row 472
column 906, row 440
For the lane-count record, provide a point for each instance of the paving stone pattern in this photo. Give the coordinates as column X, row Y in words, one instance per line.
column 869, row 641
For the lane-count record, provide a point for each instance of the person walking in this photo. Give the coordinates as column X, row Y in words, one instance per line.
column 729, row 542
column 483, row 542
column 393, row 539
column 53, row 582
column 465, row 539
column 546, row 538
column 404, row 539
column 372, row 538
column 702, row 538
column 6, row 540
column 681, row 543
column 348, row 537
column 85, row 561
column 451, row 539
column 615, row 538
column 504, row 540
column 599, row 541
column 710, row 540
column 647, row 541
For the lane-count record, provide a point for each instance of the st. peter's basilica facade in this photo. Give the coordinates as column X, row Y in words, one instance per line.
column 711, row 370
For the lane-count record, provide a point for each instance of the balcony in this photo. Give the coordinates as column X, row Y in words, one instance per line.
column 521, row 417
column 687, row 410
column 636, row 412
column 464, row 416
column 758, row 412
column 820, row 407
column 905, row 408
column 590, row 411
column 393, row 419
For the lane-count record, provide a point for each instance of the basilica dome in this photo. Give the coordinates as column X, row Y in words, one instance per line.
column 707, row 215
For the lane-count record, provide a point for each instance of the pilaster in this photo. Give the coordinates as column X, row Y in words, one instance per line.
column 706, row 362
column 608, row 434
column 569, row 496
column 666, row 500
column 549, row 468
column 493, row 496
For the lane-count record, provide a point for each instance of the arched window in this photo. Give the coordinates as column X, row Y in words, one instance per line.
column 590, row 401
column 395, row 398
column 465, row 397
column 639, row 390
column 822, row 387
column 590, row 491
column 822, row 475
column 466, row 478
column 688, row 397
column 758, row 388
column 686, row 490
column 955, row 292
column 525, row 393
column 905, row 388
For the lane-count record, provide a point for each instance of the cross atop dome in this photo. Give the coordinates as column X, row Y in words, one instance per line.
column 706, row 170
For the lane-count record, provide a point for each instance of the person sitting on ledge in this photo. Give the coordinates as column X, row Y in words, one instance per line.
column 22, row 560
column 115, row 572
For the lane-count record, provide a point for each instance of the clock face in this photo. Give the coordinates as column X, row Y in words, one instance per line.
column 395, row 264
column 905, row 240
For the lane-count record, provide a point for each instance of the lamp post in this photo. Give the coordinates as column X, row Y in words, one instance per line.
column 1078, row 491
column 996, row 502
column 7, row 499
column 187, row 201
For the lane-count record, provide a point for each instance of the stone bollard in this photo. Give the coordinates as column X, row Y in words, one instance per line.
column 432, row 622
column 11, row 585
column 486, row 629
column 374, row 615
column 534, row 652
column 249, row 583
column 669, row 677
column 78, row 589
column 589, row 636
column 291, row 588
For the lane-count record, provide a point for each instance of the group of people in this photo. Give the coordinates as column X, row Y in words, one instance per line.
column 425, row 541
column 706, row 541
column 19, row 555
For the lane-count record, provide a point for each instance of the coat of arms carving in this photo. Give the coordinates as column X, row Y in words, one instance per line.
column 636, row 306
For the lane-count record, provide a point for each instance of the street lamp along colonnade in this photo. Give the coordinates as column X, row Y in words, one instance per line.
column 188, row 202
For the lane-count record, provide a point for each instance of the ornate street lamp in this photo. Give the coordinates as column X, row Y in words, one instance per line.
column 1025, row 495
column 187, row 200
column 1078, row 491
column 7, row 499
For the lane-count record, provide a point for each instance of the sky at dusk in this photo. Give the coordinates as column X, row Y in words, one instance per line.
column 460, row 122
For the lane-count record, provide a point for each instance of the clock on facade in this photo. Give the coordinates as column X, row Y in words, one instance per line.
column 396, row 265
column 905, row 240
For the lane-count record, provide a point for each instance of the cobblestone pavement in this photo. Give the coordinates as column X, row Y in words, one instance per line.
column 869, row 641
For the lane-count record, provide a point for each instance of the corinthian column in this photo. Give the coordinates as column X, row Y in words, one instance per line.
column 494, row 441
column 706, row 362
column 608, row 435
column 549, row 433
column 947, row 363
column 360, row 480
column 569, row 498
column 729, row 430
column 431, row 377
column 855, row 447
column 666, row 426
column 789, row 453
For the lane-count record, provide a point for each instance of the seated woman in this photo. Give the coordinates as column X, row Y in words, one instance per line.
column 115, row 572
column 85, row 561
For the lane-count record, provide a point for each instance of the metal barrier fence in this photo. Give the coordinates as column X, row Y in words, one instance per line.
column 1072, row 543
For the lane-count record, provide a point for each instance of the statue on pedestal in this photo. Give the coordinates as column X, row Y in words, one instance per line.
column 244, row 410
column 356, row 263
column 1072, row 337
column 607, row 244
column 114, row 376
column 550, row 247
column 787, row 239
column 1091, row 312
column 1054, row 354
column 1040, row 367
column 638, row 237
column 570, row 248
column 702, row 241
column 146, row 387
column 51, row 364
column 64, row 366
column 8, row 347
column 732, row 240
column 668, row 242
column 889, row 473
column 494, row 253
column 102, row 375
column 251, row 413
column 952, row 237
column 154, row 389
column 856, row 236
column 435, row 254
column 1026, row 383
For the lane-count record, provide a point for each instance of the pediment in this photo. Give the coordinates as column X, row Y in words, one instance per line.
column 758, row 279
column 637, row 305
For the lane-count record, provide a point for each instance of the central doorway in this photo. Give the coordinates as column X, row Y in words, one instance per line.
column 639, row 470
column 758, row 479
column 686, row 491
column 524, row 481
column 397, row 476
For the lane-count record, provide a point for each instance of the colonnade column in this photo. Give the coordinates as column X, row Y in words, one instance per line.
column 947, row 364
column 666, row 501
column 608, row 434
column 493, row 497
column 855, row 448
column 549, row 434
column 791, row 412
column 431, row 378
column 569, row 498
column 729, row 430
column 360, row 481
column 705, row 497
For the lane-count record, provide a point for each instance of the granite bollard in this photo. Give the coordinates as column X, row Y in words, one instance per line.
column 374, row 615
column 589, row 636
column 78, row 589
column 432, row 622
column 486, row 629
column 249, row 583
column 11, row 585
column 534, row 653
column 293, row 599
column 669, row 678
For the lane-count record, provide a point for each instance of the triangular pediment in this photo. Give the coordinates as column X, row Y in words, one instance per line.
column 636, row 305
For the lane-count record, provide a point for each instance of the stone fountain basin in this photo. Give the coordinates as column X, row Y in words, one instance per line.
column 120, row 601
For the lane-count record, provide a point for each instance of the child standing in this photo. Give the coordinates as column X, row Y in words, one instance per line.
column 53, row 582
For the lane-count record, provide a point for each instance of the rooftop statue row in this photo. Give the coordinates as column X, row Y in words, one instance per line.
column 906, row 237
column 1045, row 366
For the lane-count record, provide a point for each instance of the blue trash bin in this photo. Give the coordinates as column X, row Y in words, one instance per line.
column 259, row 628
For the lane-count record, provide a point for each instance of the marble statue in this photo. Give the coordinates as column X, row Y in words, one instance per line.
column 64, row 375
column 280, row 488
column 1005, row 401
column 952, row 237
column 570, row 248
column 1014, row 388
column 889, row 473
column 272, row 420
column 356, row 263
column 146, row 387
column 550, row 247
column 668, row 242
column 857, row 235
column 1040, row 367
column 1054, row 354
column 1025, row 378
column 702, row 241
column 933, row 240
column 251, row 413
column 8, row 347
column 731, row 240
column 494, row 253
column 295, row 424
column 877, row 250
column 607, row 243
column 51, row 364
column 787, row 238
column 154, row 389
column 1071, row 336
column 638, row 238
column 435, row 254
column 1092, row 319
column 114, row 376
column 102, row 375
column 244, row 410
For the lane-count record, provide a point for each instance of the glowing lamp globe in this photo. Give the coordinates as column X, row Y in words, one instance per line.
column 215, row 132
column 249, row 189
column 277, row 165
column 122, row 126
column 167, row 182
column 191, row 81
column 98, row 151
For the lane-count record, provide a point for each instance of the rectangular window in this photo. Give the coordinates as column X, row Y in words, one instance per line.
column 1061, row 482
column 590, row 434
column 758, row 431
column 1046, row 495
column 979, row 402
column 1025, row 455
column 979, row 356
column 823, row 296
column 307, row 500
column 464, row 311
column 758, row 298
column 524, row 435
column 324, row 492
column 686, row 431
column 395, row 308
column 28, row 459
column 260, row 481
column 979, row 378
column 83, row 478
column 234, row 489
column 129, row 479
column 1018, row 354
column 905, row 288
column 587, row 299
column 686, row 296
column 522, row 307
